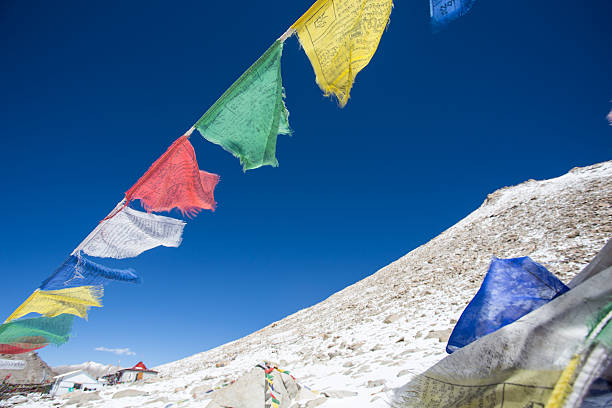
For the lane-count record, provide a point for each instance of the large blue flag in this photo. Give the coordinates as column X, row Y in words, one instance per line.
column 511, row 289
column 444, row 11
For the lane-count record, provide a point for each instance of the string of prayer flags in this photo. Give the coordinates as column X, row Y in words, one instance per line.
column 340, row 38
column 51, row 303
column 247, row 118
column 130, row 232
column 175, row 181
column 34, row 333
column 444, row 11
column 80, row 271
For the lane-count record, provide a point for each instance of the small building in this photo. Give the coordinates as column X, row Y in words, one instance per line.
column 75, row 380
column 136, row 373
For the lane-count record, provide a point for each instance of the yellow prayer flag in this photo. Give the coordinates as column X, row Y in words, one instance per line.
column 51, row 303
column 340, row 37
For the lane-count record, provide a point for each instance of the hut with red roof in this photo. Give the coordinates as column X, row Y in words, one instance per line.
column 136, row 373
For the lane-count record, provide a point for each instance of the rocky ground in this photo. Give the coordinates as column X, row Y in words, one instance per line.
column 375, row 335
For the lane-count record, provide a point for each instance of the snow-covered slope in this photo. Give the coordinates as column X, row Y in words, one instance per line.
column 94, row 369
column 378, row 333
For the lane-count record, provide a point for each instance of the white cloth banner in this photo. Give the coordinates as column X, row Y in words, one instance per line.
column 130, row 232
column 12, row 364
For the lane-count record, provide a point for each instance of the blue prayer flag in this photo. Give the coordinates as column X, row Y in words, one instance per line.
column 511, row 289
column 444, row 11
column 80, row 271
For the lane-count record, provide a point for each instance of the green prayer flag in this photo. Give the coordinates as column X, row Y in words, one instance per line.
column 42, row 329
column 246, row 119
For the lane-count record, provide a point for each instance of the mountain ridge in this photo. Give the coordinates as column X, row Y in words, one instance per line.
column 376, row 334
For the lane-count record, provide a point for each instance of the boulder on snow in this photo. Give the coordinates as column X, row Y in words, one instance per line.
column 392, row 318
column 441, row 335
column 304, row 394
column 316, row 402
column 288, row 383
column 340, row 394
column 79, row 397
column 130, row 392
column 162, row 399
column 200, row 391
column 247, row 392
column 404, row 372
column 375, row 383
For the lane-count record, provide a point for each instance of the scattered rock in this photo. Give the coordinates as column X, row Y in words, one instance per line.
column 200, row 391
column 305, row 394
column 79, row 397
column 400, row 340
column 404, row 372
column 441, row 335
column 315, row 402
column 375, row 383
column 340, row 394
column 356, row 346
column 130, row 392
column 321, row 357
column 348, row 364
column 392, row 318
column 163, row 400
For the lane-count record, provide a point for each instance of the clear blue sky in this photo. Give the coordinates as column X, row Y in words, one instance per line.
column 93, row 92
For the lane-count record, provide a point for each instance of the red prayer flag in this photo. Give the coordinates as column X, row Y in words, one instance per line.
column 19, row 348
column 175, row 181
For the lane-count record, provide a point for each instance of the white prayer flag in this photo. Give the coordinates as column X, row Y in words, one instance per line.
column 130, row 232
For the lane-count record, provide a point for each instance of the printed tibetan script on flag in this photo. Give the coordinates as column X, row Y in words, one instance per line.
column 130, row 232
column 249, row 116
column 175, row 181
column 51, row 303
column 80, row 271
column 340, row 38
column 445, row 11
